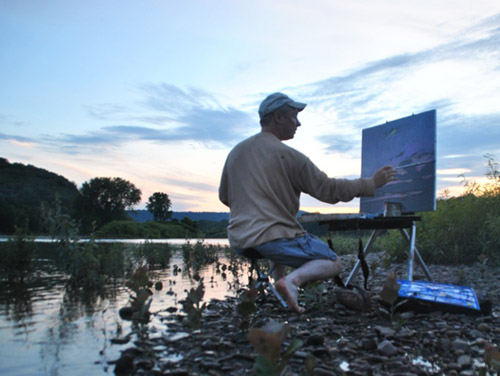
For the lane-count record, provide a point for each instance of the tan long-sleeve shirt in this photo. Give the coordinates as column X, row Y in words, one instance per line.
column 261, row 183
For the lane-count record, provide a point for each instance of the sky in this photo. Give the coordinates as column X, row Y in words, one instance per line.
column 157, row 92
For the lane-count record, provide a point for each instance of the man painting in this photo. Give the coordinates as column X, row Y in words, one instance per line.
column 261, row 183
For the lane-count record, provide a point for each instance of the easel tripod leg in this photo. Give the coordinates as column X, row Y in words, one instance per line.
column 367, row 248
column 411, row 252
column 419, row 257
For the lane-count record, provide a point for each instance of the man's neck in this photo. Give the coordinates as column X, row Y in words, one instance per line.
column 270, row 130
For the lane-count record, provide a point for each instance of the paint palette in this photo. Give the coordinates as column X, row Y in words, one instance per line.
column 440, row 293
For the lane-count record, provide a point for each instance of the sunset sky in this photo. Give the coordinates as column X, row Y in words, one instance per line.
column 158, row 91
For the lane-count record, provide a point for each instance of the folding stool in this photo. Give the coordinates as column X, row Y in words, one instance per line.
column 263, row 281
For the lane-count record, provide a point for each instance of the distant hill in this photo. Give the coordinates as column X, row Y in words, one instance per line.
column 23, row 188
column 144, row 216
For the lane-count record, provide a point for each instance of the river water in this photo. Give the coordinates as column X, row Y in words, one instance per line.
column 46, row 328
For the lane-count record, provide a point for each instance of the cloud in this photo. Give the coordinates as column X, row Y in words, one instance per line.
column 167, row 114
column 198, row 113
column 223, row 126
column 105, row 111
column 389, row 88
column 192, row 185
column 342, row 144
column 363, row 97
column 473, row 136
column 9, row 137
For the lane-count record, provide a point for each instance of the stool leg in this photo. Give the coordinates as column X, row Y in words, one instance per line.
column 278, row 296
column 264, row 282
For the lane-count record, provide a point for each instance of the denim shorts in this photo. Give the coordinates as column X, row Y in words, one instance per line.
column 295, row 252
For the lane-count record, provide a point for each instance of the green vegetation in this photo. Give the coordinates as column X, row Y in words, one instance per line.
column 462, row 230
column 213, row 229
column 159, row 205
column 103, row 200
column 28, row 193
column 88, row 264
column 246, row 307
column 153, row 255
column 146, row 230
column 267, row 342
column 197, row 255
column 193, row 305
column 17, row 257
column 23, row 190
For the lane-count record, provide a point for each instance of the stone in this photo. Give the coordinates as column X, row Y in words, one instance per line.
column 464, row 361
column 444, row 344
column 368, row 344
column 459, row 344
column 315, row 340
column 405, row 333
column 483, row 327
column 366, row 341
column 124, row 365
column 321, row 351
column 120, row 340
column 474, row 333
column 384, row 331
column 387, row 348
column 467, row 372
column 453, row 366
column 407, row 315
column 126, row 313
column 323, row 372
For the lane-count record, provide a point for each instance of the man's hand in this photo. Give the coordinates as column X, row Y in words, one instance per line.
column 384, row 175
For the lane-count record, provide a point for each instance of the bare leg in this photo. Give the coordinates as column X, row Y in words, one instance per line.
column 311, row 271
column 279, row 270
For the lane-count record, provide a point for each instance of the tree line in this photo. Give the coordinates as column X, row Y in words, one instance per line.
column 103, row 200
column 27, row 193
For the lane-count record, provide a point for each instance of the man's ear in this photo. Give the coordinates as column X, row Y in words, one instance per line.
column 278, row 116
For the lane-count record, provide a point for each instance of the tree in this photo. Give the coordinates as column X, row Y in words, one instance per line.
column 103, row 200
column 23, row 189
column 159, row 205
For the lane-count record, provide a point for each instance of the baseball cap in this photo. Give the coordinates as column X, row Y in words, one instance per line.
column 275, row 101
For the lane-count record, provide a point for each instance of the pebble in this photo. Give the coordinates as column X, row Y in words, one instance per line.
column 370, row 343
column 315, row 340
column 384, row 331
column 459, row 345
column 387, row 348
column 464, row 361
column 483, row 327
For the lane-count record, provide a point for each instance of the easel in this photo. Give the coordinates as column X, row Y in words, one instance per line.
column 345, row 222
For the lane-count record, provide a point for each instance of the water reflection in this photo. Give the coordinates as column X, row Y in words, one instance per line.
column 46, row 239
column 49, row 326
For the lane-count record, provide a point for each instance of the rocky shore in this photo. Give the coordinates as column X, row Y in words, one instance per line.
column 334, row 339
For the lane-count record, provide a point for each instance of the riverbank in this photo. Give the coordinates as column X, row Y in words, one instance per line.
column 335, row 339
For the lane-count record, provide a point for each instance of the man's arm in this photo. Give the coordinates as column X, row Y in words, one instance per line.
column 316, row 183
column 223, row 188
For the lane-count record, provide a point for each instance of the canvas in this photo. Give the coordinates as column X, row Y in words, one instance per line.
column 409, row 145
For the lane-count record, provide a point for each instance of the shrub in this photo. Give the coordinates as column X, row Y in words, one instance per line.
column 461, row 229
column 154, row 255
column 17, row 256
column 199, row 254
column 145, row 230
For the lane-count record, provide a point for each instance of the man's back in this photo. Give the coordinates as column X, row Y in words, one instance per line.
column 259, row 184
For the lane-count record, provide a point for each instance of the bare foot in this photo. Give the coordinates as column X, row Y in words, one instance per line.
column 290, row 292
